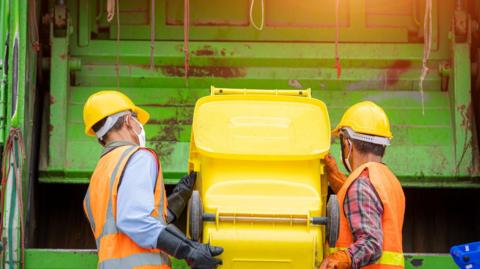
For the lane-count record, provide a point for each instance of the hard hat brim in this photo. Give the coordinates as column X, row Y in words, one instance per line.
column 336, row 131
column 90, row 132
column 142, row 115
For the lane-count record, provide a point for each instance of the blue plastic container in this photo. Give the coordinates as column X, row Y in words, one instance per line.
column 467, row 256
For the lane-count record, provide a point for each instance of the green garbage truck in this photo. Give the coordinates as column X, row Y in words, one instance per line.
column 418, row 59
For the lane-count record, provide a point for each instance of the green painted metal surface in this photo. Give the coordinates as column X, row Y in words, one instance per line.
column 381, row 52
column 70, row 259
column 87, row 259
column 361, row 20
column 381, row 62
column 440, row 261
column 17, row 105
column 4, row 31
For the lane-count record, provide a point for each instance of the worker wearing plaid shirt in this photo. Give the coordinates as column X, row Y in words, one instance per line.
column 364, row 212
column 371, row 199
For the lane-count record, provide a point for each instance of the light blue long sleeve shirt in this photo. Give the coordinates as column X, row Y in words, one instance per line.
column 135, row 200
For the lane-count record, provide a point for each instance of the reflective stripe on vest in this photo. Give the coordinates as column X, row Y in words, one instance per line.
column 88, row 209
column 133, row 261
column 115, row 249
column 387, row 258
column 110, row 227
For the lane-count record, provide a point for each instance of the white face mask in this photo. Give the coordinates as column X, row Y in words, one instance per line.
column 141, row 135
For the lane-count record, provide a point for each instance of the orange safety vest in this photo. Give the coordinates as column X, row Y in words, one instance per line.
column 391, row 195
column 115, row 249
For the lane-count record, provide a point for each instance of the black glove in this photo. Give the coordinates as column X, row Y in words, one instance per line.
column 202, row 257
column 198, row 256
column 180, row 196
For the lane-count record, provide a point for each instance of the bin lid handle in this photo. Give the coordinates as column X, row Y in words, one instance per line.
column 225, row 91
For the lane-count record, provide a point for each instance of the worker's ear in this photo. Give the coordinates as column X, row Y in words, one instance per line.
column 133, row 128
column 128, row 125
column 129, row 122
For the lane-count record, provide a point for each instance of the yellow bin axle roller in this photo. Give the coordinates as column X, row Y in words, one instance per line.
column 261, row 190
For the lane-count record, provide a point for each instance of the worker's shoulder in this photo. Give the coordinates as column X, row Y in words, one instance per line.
column 362, row 182
column 144, row 155
column 141, row 168
column 364, row 175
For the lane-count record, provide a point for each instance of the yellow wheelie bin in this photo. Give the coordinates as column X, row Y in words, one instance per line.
column 261, row 190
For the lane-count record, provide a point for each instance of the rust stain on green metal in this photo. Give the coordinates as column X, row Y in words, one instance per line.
column 205, row 71
column 205, row 51
column 381, row 62
column 168, row 133
column 395, row 70
column 467, row 115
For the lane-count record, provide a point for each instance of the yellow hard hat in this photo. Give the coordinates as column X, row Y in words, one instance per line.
column 105, row 103
column 365, row 118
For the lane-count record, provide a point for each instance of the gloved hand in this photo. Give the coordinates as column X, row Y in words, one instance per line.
column 198, row 256
column 202, row 257
column 180, row 196
column 335, row 177
column 337, row 260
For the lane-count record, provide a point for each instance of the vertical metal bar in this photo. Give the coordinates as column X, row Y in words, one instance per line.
column 357, row 15
column 4, row 31
column 59, row 82
column 435, row 26
column 84, row 20
column 462, row 111
column 152, row 33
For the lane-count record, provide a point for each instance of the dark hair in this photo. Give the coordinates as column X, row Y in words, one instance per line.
column 366, row 147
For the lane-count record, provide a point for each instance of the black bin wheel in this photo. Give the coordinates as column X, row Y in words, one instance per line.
column 195, row 213
column 333, row 220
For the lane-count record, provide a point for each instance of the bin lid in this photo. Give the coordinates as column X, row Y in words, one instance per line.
column 261, row 127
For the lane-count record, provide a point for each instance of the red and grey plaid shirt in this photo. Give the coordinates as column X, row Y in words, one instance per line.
column 363, row 209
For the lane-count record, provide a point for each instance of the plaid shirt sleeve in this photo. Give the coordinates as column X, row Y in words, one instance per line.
column 364, row 211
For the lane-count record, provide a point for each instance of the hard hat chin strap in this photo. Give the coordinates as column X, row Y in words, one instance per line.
column 109, row 122
column 379, row 140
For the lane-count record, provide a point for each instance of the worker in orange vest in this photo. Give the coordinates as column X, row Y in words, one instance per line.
column 126, row 204
column 371, row 199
